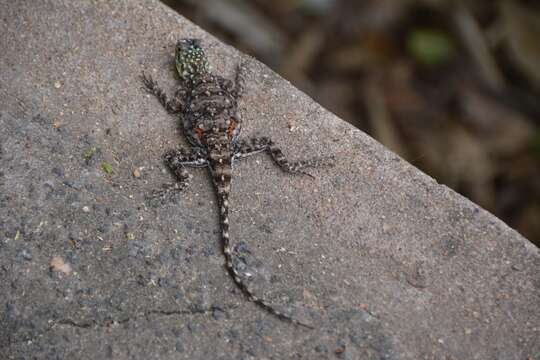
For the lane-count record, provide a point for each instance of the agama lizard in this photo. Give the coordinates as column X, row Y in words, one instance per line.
column 208, row 108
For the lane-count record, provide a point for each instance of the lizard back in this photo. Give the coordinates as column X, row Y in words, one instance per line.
column 208, row 109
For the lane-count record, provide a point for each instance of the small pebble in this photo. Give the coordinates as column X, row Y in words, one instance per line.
column 517, row 267
column 217, row 313
column 341, row 346
column 163, row 282
column 59, row 265
column 25, row 254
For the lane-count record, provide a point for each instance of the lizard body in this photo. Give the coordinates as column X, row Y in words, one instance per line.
column 208, row 108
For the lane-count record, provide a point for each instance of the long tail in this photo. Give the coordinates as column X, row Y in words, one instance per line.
column 222, row 180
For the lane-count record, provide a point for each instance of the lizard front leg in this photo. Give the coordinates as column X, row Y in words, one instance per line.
column 239, row 80
column 174, row 105
column 236, row 87
column 257, row 145
column 178, row 160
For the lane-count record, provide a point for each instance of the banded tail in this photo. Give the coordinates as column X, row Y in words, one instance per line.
column 221, row 168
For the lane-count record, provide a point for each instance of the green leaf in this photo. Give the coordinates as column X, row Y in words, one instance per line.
column 429, row 46
column 88, row 154
column 107, row 167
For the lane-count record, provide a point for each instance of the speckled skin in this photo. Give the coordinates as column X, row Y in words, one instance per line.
column 208, row 107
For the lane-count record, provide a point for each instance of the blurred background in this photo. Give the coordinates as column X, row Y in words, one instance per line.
column 451, row 86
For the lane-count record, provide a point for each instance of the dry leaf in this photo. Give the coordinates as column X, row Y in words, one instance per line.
column 59, row 265
column 522, row 30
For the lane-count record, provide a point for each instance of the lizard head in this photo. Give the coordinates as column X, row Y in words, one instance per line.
column 190, row 59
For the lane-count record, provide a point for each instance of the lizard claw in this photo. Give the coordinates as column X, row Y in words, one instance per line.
column 149, row 83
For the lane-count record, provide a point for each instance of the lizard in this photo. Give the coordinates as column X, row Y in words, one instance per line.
column 208, row 108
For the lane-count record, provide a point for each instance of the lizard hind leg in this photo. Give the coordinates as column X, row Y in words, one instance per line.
column 178, row 160
column 258, row 145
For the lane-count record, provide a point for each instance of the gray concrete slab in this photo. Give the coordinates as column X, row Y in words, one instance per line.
column 385, row 262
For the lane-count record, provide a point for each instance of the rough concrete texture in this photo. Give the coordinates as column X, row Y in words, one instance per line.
column 382, row 260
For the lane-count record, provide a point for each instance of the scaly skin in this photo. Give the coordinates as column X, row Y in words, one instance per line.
column 208, row 107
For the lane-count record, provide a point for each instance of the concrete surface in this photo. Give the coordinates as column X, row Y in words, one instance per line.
column 385, row 262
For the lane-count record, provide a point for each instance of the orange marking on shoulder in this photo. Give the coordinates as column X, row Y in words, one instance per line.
column 199, row 132
column 230, row 129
